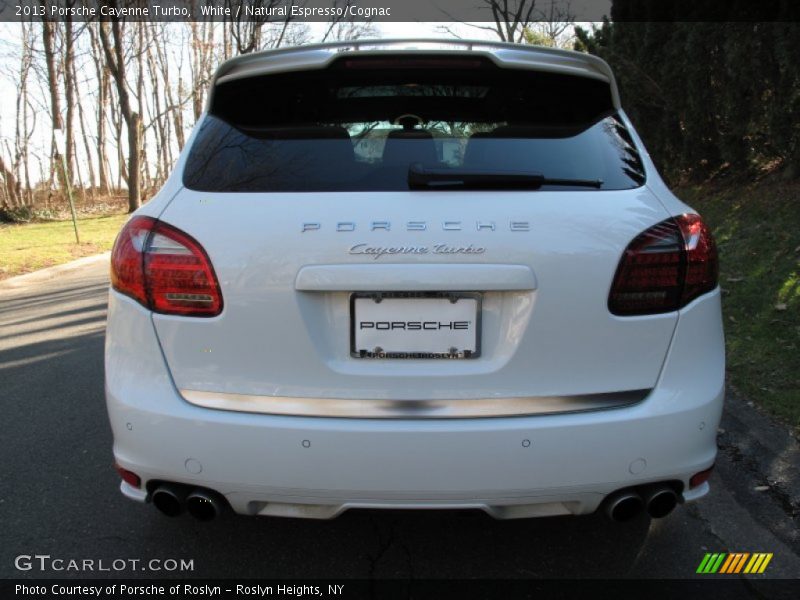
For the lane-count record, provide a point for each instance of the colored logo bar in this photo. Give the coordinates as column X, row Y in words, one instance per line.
column 734, row 562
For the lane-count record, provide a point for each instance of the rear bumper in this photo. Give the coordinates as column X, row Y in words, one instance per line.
column 508, row 466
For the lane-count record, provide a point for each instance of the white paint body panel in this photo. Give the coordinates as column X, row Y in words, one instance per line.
column 262, row 466
column 273, row 340
column 285, row 332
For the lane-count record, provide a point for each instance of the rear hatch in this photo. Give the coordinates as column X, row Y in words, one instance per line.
column 345, row 209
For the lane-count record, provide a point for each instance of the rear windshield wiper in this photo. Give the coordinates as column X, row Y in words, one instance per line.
column 421, row 178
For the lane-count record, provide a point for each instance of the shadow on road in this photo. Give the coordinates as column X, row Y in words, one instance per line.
column 429, row 544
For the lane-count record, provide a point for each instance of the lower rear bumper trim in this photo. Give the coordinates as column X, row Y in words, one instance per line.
column 413, row 409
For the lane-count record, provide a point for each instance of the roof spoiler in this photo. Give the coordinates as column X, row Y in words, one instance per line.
column 506, row 55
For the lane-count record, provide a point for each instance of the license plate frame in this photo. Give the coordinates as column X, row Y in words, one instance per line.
column 452, row 297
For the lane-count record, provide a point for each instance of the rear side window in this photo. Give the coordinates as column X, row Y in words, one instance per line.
column 362, row 124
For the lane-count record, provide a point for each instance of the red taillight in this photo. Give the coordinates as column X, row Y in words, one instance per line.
column 700, row 478
column 128, row 477
column 127, row 274
column 702, row 264
column 164, row 269
column 665, row 268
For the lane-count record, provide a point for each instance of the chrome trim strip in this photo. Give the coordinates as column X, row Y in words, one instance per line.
column 356, row 408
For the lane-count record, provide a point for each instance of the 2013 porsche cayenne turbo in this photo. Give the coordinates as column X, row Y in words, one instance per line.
column 414, row 275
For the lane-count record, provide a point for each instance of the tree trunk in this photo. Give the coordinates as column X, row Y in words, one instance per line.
column 173, row 106
column 103, row 176
column 69, row 95
column 48, row 40
column 197, row 57
column 115, row 60
column 102, row 156
column 88, row 150
column 21, row 131
column 134, row 168
column 144, row 165
column 122, row 169
column 10, row 185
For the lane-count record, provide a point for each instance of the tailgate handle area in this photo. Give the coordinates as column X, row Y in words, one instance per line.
column 415, row 277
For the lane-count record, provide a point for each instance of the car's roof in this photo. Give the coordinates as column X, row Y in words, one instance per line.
column 318, row 56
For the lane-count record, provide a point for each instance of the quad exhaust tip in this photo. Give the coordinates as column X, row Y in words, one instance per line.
column 658, row 501
column 203, row 505
column 169, row 499
column 624, row 506
column 172, row 499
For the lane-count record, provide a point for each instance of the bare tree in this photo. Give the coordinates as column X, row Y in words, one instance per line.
column 112, row 42
column 139, row 52
column 246, row 30
column 48, row 39
column 160, row 120
column 10, row 186
column 68, row 68
column 557, row 18
column 175, row 99
column 202, row 63
column 103, row 93
column 514, row 20
column 125, row 93
column 342, row 29
column 511, row 18
column 86, row 147
column 49, row 43
column 24, row 125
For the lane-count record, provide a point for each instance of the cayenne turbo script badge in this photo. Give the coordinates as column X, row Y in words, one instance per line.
column 377, row 251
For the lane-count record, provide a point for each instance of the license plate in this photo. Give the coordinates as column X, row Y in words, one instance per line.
column 425, row 325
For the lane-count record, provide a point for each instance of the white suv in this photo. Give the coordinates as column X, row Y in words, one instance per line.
column 414, row 275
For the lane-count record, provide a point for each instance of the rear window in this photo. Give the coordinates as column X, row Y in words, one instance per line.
column 362, row 124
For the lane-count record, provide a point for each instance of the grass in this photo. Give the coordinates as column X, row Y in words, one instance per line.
column 31, row 246
column 757, row 228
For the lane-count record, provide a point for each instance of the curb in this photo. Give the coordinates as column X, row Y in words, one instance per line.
column 51, row 272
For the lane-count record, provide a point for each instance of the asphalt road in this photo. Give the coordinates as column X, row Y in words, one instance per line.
column 59, row 494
